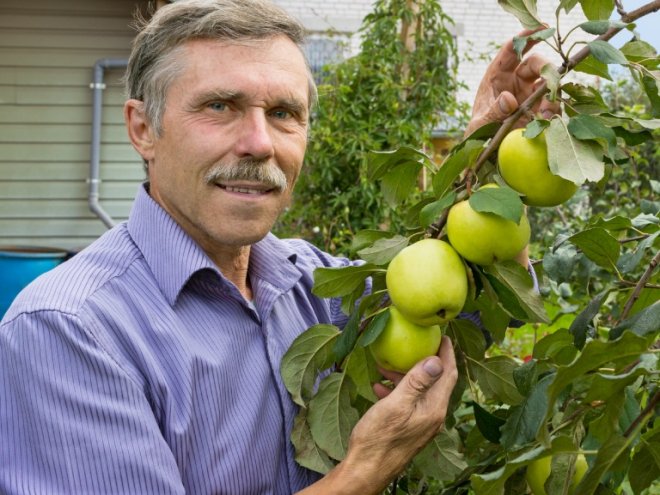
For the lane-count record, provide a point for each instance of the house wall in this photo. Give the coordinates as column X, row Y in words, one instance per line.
column 47, row 53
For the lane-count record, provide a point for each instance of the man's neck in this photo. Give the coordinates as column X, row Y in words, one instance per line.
column 233, row 264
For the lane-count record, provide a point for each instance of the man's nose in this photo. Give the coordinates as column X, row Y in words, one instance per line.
column 254, row 138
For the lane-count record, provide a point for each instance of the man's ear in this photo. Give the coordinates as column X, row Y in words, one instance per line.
column 140, row 131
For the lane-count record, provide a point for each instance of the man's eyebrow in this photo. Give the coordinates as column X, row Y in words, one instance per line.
column 293, row 105
column 214, row 95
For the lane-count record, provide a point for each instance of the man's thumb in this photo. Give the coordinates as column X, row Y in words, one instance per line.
column 421, row 377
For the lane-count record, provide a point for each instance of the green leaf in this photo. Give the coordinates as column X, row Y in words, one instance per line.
column 630, row 260
column 382, row 251
column 599, row 246
column 520, row 42
column 583, row 322
column 374, row 328
column 601, row 27
column 431, row 212
column 348, row 338
column 643, row 323
column 535, row 128
column 557, row 347
column 362, row 372
column 441, row 459
column 331, row 417
column 585, row 98
column 502, row 201
column 567, row 5
column 495, row 378
column 606, row 53
column 552, row 78
column 524, row 10
column 639, row 51
column 595, row 354
column 335, row 282
column 467, row 338
column 489, row 425
column 308, row 454
column 591, row 65
column 574, row 160
column 400, row 182
column 645, row 464
column 454, row 164
column 585, row 127
column 517, row 280
column 525, row 377
column 365, row 238
column 310, row 353
column 597, row 9
column 614, row 224
column 397, row 170
column 380, row 163
column 650, row 86
column 604, row 386
column 526, row 420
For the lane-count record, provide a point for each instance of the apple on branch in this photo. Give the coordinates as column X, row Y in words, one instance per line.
column 538, row 472
column 484, row 238
column 402, row 343
column 523, row 164
column 427, row 282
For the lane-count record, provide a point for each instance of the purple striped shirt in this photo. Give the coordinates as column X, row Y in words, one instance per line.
column 137, row 368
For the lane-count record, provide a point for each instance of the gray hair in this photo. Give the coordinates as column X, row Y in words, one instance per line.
column 155, row 60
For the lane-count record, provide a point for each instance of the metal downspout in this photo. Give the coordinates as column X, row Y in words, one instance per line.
column 94, row 178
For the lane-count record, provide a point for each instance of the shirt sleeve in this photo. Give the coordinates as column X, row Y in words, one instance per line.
column 71, row 419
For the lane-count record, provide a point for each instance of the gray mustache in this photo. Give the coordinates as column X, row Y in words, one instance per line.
column 249, row 169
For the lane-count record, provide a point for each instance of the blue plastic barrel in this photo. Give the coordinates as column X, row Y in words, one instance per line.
column 20, row 265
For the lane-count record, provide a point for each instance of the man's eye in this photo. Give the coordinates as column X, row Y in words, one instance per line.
column 218, row 106
column 281, row 114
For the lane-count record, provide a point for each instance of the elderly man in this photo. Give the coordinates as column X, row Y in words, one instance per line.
column 149, row 363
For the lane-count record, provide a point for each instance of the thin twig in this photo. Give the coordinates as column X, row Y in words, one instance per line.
column 640, row 285
column 648, row 411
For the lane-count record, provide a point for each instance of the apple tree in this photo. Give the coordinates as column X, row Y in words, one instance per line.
column 587, row 385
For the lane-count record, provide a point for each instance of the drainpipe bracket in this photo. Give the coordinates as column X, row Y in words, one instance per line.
column 96, row 85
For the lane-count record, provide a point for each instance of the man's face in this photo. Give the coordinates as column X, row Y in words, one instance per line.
column 239, row 105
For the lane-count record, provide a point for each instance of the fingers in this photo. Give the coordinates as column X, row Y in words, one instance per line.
column 549, row 108
column 507, row 56
column 431, row 380
column 498, row 110
column 529, row 69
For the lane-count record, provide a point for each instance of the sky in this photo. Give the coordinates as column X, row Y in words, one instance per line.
column 648, row 27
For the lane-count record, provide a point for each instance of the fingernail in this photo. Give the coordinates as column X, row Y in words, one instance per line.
column 433, row 366
column 504, row 105
column 547, row 114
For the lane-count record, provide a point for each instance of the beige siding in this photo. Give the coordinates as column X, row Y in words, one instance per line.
column 47, row 54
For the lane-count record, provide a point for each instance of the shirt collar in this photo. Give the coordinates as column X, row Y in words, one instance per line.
column 174, row 257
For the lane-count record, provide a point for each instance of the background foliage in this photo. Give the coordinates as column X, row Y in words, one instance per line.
column 389, row 95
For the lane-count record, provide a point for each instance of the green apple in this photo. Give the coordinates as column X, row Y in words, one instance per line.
column 538, row 472
column 402, row 343
column 484, row 238
column 427, row 282
column 523, row 164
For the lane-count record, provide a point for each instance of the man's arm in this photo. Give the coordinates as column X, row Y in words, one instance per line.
column 71, row 419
